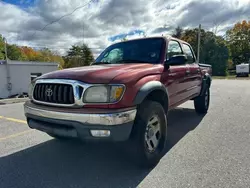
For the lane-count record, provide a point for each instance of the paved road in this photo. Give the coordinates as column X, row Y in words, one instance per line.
column 209, row 151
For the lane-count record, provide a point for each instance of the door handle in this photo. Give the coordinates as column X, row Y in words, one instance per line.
column 187, row 72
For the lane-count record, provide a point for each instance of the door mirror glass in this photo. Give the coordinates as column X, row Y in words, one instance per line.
column 177, row 60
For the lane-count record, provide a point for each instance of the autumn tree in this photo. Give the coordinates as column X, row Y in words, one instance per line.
column 25, row 53
column 238, row 39
column 31, row 54
column 78, row 56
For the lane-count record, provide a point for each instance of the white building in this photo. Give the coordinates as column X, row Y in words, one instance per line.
column 20, row 75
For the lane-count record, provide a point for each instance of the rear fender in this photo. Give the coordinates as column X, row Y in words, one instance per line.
column 206, row 82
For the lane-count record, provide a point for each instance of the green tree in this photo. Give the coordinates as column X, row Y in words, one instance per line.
column 13, row 52
column 2, row 56
column 124, row 39
column 45, row 55
column 213, row 49
column 215, row 53
column 178, row 32
column 238, row 39
column 78, row 56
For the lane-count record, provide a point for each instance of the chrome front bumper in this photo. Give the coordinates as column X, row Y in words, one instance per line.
column 109, row 119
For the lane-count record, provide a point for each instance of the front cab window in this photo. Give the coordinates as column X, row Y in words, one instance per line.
column 139, row 51
column 113, row 56
column 174, row 48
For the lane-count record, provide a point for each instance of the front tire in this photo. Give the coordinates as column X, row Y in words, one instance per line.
column 149, row 134
column 201, row 103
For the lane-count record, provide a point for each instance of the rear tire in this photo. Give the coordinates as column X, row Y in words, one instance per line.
column 149, row 134
column 201, row 103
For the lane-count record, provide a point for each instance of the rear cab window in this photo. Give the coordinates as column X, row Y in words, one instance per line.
column 189, row 53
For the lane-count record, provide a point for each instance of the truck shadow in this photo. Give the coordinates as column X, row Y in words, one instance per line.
column 73, row 164
column 180, row 122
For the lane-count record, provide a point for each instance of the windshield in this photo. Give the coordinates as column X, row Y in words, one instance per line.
column 139, row 51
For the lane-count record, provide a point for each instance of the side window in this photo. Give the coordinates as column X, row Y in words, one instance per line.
column 174, row 48
column 189, row 53
column 113, row 56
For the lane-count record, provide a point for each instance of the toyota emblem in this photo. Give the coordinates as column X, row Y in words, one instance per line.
column 49, row 92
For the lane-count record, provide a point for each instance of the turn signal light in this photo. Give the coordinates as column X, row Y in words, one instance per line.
column 100, row 133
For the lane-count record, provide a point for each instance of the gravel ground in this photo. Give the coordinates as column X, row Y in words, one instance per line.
column 209, row 151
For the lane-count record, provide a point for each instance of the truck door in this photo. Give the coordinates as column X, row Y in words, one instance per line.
column 194, row 75
column 174, row 78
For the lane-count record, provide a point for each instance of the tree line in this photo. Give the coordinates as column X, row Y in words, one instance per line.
column 222, row 52
column 76, row 56
column 25, row 53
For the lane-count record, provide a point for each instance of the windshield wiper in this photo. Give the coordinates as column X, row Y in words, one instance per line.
column 120, row 61
column 132, row 61
column 101, row 62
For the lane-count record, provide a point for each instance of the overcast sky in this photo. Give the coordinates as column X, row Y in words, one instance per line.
column 102, row 22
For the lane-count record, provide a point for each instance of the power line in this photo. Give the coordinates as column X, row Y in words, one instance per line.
column 56, row 48
column 31, row 46
column 57, row 20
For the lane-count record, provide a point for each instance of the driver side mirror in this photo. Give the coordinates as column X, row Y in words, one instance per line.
column 177, row 60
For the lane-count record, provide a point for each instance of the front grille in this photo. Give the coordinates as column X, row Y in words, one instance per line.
column 54, row 93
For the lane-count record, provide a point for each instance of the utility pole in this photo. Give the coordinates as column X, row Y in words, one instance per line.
column 199, row 43
column 83, row 32
column 5, row 49
column 7, row 67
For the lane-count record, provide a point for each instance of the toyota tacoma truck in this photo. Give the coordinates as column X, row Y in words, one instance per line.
column 124, row 95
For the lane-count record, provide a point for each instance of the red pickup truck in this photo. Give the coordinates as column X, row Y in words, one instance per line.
column 125, row 95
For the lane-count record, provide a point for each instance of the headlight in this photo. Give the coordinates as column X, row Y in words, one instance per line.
column 31, row 88
column 103, row 94
column 96, row 94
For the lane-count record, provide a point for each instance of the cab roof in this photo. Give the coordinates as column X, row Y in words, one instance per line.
column 165, row 37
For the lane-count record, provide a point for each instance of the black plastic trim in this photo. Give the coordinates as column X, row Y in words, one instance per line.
column 147, row 88
column 79, row 130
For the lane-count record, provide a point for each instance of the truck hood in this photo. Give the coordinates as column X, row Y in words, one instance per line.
column 121, row 73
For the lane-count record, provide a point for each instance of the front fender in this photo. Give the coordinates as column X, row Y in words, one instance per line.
column 206, row 81
column 146, row 89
